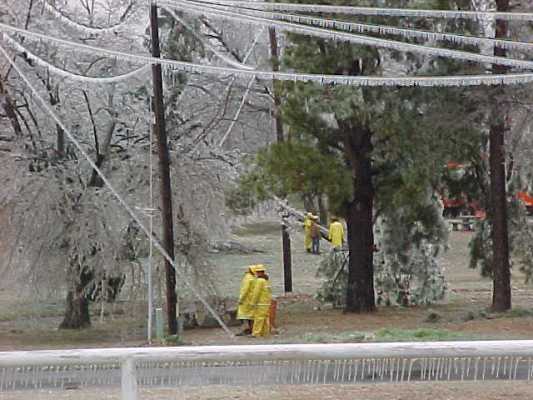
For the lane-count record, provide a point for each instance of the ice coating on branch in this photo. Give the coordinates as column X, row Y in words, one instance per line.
column 212, row 49
column 89, row 30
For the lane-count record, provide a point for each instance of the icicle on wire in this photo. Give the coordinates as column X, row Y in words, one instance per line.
column 89, row 30
column 212, row 49
column 374, row 11
column 124, row 204
column 384, row 29
column 426, row 81
column 70, row 75
column 352, row 38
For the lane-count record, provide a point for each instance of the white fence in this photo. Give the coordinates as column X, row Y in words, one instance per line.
column 266, row 364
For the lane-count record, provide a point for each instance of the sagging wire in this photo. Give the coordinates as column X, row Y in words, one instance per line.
column 424, row 81
column 383, row 29
column 67, row 74
column 350, row 37
column 373, row 11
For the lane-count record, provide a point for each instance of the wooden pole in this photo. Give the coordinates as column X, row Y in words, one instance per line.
column 277, row 97
column 164, row 172
column 285, row 237
column 501, row 295
column 287, row 262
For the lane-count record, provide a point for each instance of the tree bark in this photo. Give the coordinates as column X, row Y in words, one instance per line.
column 9, row 109
column 77, row 305
column 360, row 296
column 322, row 210
column 501, row 295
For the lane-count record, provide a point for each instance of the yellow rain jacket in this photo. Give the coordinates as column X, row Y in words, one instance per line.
column 336, row 234
column 261, row 299
column 245, row 310
column 308, row 222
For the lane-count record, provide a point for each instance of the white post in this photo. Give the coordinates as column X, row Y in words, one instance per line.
column 129, row 380
column 150, row 295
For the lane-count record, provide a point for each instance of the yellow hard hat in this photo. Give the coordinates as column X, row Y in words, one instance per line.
column 259, row 267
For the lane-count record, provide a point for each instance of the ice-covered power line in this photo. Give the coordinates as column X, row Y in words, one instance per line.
column 384, row 29
column 373, row 11
column 190, row 7
column 426, row 81
column 123, row 203
column 208, row 46
column 71, row 75
column 89, row 30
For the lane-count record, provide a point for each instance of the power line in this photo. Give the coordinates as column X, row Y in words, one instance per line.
column 425, row 81
column 374, row 11
column 189, row 7
column 382, row 29
column 67, row 74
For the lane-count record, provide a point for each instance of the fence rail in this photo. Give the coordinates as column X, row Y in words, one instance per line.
column 266, row 364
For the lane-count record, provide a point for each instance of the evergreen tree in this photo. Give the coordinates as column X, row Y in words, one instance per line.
column 392, row 144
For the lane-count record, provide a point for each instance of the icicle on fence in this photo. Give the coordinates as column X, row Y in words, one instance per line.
column 373, row 11
column 190, row 373
column 180, row 66
column 266, row 365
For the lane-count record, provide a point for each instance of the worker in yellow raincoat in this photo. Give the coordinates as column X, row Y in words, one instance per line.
column 308, row 223
column 245, row 310
column 336, row 233
column 261, row 299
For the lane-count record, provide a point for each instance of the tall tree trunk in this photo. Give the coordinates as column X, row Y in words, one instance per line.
column 77, row 304
column 501, row 295
column 103, row 155
column 322, row 210
column 360, row 296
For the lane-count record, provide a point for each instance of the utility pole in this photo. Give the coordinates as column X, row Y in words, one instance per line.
column 285, row 237
column 164, row 171
column 286, row 244
column 501, row 294
column 277, row 96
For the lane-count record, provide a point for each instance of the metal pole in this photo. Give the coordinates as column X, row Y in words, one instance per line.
column 164, row 171
column 151, row 227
